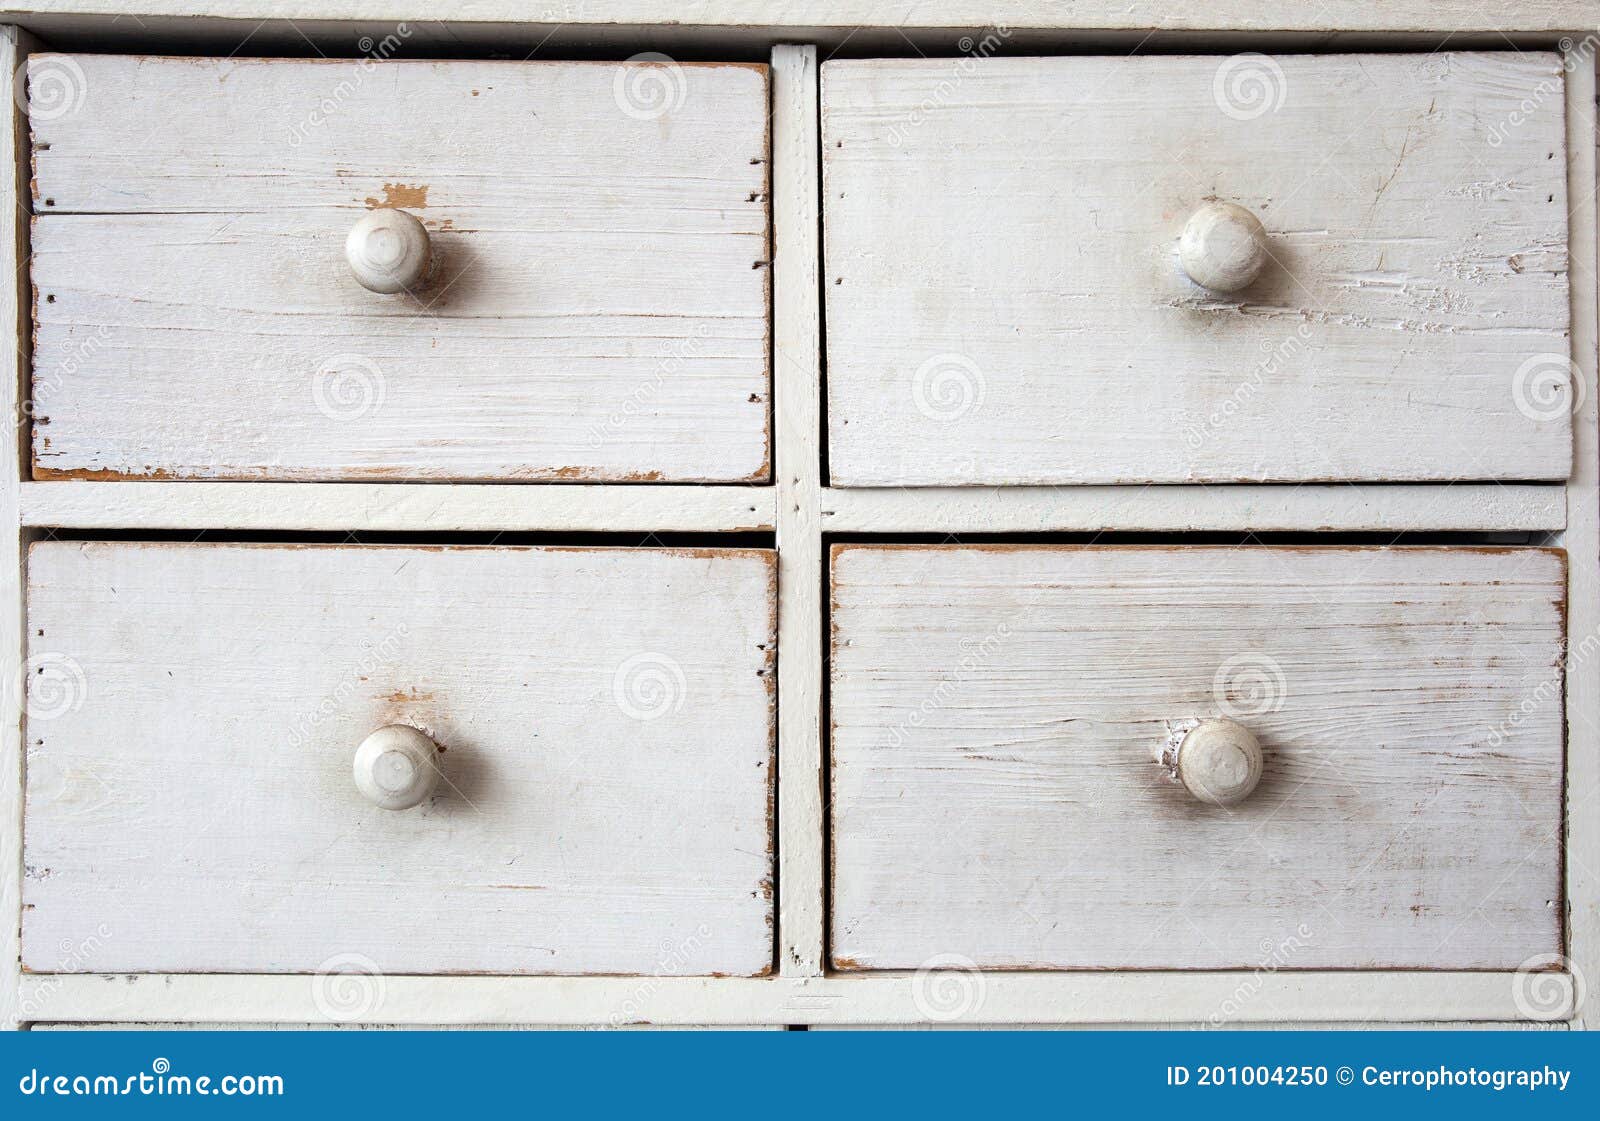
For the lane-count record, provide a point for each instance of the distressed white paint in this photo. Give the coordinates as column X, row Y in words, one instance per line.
column 879, row 998
column 1483, row 508
column 1287, row 997
column 14, row 45
column 1005, row 305
column 428, row 508
column 1582, row 541
column 450, row 22
column 797, row 392
column 604, row 801
column 1000, row 714
column 269, row 1026
column 598, row 310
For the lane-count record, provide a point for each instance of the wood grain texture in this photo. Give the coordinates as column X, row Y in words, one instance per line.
column 1174, row 508
column 1094, row 996
column 797, row 391
column 428, row 508
column 1582, row 542
column 999, row 713
column 599, row 19
column 605, row 801
column 1004, row 303
column 14, row 45
column 598, row 310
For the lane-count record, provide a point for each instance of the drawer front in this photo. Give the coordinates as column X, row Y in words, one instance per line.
column 595, row 307
column 1008, row 300
column 1006, row 720
column 603, row 803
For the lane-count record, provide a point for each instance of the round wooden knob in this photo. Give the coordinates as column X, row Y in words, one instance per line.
column 1219, row 761
column 1223, row 247
column 388, row 251
column 395, row 767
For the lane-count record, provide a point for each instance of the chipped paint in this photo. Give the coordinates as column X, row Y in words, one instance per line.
column 400, row 195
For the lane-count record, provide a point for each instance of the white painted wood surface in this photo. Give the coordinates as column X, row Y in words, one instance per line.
column 1004, row 303
column 872, row 998
column 269, row 1026
column 1485, row 508
column 1582, row 542
column 598, row 310
column 1288, row 997
column 604, row 802
column 797, row 394
column 597, row 18
column 14, row 45
column 999, row 715
column 431, row 508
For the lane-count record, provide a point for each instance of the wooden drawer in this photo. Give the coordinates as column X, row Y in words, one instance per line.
column 604, row 799
column 1007, row 300
column 595, row 309
column 1005, row 720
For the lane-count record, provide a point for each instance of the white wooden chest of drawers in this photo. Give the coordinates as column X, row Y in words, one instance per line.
column 982, row 517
